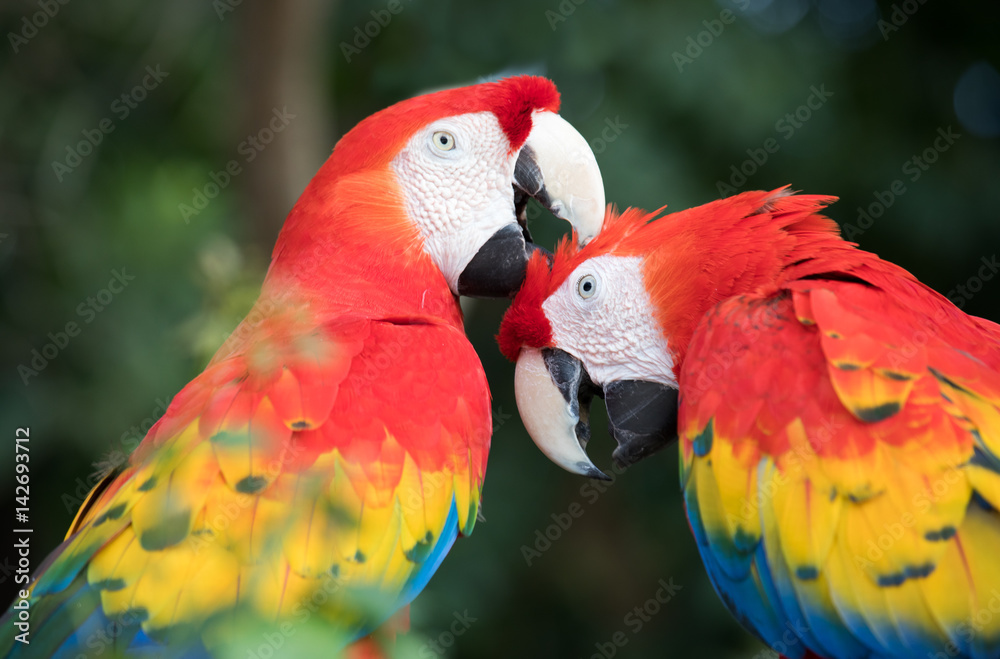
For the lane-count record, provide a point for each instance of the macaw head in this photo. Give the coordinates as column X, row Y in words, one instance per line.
column 614, row 318
column 454, row 169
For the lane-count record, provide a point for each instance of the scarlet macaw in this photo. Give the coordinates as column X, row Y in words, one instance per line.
column 336, row 444
column 839, row 422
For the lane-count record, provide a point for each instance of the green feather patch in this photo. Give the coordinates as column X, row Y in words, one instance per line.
column 168, row 532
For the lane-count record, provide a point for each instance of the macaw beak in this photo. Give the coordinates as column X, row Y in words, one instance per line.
column 557, row 168
column 554, row 392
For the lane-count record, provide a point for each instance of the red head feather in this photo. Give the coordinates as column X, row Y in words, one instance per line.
column 693, row 259
column 378, row 138
column 525, row 322
column 350, row 224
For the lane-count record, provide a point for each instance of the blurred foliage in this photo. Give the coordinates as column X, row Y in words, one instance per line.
column 666, row 131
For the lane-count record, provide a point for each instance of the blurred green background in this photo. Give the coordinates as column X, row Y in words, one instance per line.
column 675, row 98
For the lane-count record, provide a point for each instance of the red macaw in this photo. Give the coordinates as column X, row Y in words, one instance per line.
column 336, row 444
column 839, row 421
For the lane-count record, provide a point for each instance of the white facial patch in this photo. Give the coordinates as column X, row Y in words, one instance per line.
column 602, row 315
column 456, row 177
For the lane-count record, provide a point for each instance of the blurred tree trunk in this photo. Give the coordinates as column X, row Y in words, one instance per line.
column 284, row 66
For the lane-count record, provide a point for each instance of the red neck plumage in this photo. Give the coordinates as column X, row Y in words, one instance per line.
column 749, row 244
column 348, row 247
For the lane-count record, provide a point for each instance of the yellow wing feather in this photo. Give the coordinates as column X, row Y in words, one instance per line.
column 274, row 489
column 873, row 490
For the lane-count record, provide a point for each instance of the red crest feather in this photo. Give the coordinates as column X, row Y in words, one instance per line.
column 376, row 140
column 525, row 322
column 694, row 258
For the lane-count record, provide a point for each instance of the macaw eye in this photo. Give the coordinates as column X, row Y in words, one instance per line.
column 587, row 286
column 443, row 140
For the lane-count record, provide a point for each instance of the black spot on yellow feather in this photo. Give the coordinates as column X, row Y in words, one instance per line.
column 359, row 557
column 919, row 571
column 301, row 425
column 893, row 375
column 111, row 513
column 149, row 484
column 877, row 413
column 864, row 494
column 167, row 533
column 807, row 573
column 421, row 550
column 945, row 533
column 251, row 484
column 891, row 580
column 136, row 615
column 109, row 584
